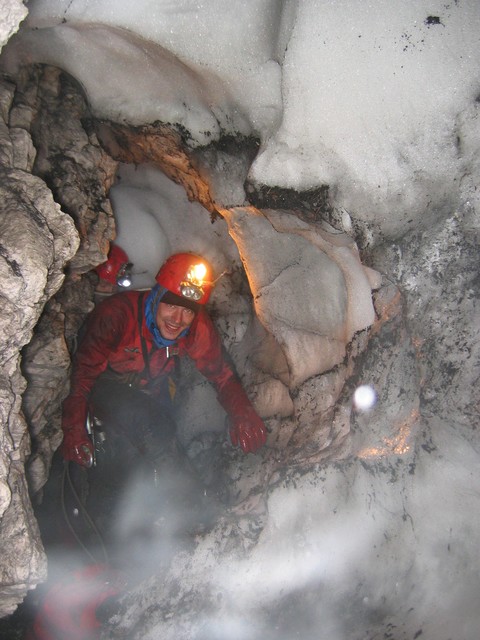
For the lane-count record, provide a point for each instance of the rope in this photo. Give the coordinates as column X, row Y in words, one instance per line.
column 66, row 477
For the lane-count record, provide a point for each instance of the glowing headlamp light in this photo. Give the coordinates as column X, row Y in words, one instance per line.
column 124, row 277
column 192, row 286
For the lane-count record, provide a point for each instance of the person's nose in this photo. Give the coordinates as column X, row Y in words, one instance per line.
column 177, row 316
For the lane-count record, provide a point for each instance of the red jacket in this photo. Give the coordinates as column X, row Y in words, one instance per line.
column 69, row 607
column 112, row 340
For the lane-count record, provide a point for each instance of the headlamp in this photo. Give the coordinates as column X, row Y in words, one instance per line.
column 124, row 277
column 192, row 285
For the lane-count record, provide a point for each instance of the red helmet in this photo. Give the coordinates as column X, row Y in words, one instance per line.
column 117, row 265
column 188, row 276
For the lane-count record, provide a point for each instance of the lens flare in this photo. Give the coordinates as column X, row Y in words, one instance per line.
column 364, row 397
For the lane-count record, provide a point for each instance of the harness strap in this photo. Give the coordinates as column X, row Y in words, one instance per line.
column 146, row 355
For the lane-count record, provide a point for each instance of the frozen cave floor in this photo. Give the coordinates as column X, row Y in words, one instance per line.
column 371, row 547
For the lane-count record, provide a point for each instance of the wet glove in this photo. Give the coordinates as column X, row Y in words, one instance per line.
column 246, row 427
column 248, row 431
column 77, row 446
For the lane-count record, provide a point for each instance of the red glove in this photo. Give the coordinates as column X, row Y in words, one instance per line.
column 77, row 447
column 248, row 431
column 247, row 428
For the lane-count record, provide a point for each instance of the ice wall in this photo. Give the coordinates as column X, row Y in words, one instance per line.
column 373, row 102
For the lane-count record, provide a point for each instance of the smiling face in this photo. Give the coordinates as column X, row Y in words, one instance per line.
column 172, row 319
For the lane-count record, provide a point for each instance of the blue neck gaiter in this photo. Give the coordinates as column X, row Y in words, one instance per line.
column 151, row 307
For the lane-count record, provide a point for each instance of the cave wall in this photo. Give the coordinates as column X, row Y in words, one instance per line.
column 37, row 239
column 79, row 174
column 42, row 308
column 422, row 357
column 50, row 136
column 383, row 541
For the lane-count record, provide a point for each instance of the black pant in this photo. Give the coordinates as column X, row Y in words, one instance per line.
column 128, row 414
column 141, row 475
column 142, row 494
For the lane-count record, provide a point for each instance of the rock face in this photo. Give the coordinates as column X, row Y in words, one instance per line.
column 13, row 12
column 438, row 268
column 311, row 265
column 37, row 239
column 79, row 175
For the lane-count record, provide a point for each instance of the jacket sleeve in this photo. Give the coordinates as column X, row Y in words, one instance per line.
column 104, row 331
column 207, row 352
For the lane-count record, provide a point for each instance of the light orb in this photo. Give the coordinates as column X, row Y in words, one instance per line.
column 364, row 397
